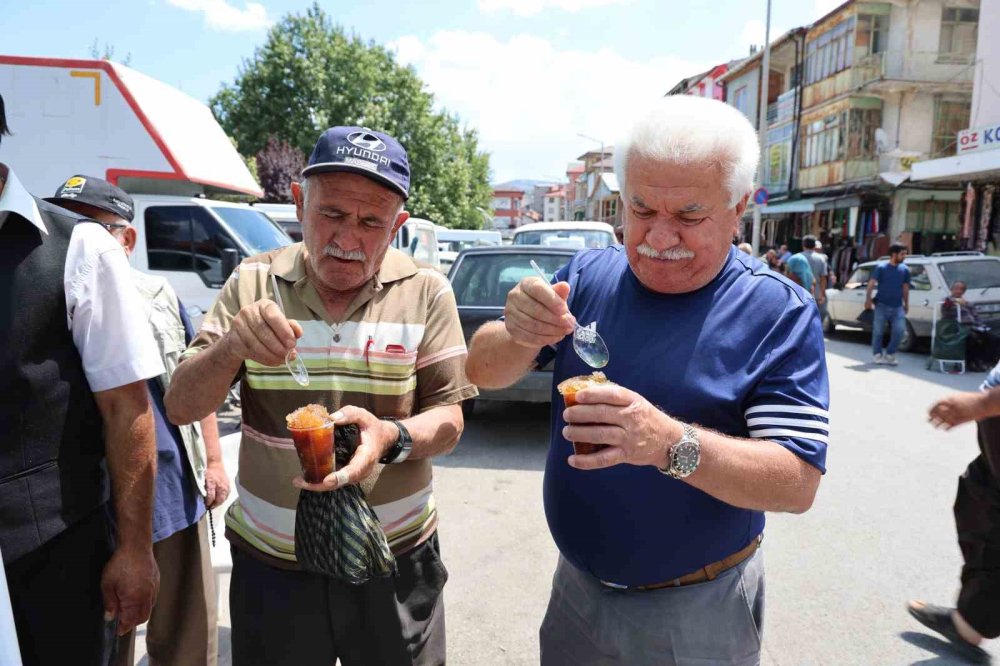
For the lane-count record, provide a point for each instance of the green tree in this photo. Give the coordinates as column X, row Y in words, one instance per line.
column 310, row 75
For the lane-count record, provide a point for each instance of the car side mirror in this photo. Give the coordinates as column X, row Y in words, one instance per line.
column 230, row 260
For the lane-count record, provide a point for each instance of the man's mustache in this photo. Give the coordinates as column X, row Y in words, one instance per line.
column 337, row 253
column 673, row 254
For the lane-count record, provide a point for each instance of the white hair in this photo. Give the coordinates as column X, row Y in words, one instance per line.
column 689, row 130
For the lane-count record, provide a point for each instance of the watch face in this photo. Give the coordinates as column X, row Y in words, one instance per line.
column 685, row 457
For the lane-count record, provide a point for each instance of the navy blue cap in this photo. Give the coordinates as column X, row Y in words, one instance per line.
column 363, row 151
column 98, row 193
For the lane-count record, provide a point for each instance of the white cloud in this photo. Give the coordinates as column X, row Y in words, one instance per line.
column 532, row 7
column 529, row 100
column 754, row 32
column 220, row 15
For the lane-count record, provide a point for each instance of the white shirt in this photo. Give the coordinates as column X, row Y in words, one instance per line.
column 103, row 310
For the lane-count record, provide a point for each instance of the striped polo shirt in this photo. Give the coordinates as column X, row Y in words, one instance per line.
column 399, row 351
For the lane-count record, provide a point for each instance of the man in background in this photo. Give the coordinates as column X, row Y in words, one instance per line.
column 891, row 305
column 190, row 476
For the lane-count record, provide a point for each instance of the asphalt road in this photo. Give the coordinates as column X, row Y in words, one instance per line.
column 838, row 577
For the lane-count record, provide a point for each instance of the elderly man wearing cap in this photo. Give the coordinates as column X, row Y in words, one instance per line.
column 190, row 475
column 75, row 355
column 384, row 347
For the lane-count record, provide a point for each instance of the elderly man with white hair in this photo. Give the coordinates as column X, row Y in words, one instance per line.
column 717, row 412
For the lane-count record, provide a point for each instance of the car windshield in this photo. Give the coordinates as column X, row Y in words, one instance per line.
column 255, row 229
column 572, row 238
column 483, row 280
column 976, row 274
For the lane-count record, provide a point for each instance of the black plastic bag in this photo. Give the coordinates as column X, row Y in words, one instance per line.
column 337, row 533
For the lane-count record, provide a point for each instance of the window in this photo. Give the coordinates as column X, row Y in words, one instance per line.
column 740, row 99
column 976, row 273
column 502, row 203
column 859, row 279
column 846, row 135
column 958, row 34
column 254, row 228
column 919, row 279
column 933, row 216
column 829, row 52
column 484, row 280
column 186, row 238
column 872, row 35
column 950, row 117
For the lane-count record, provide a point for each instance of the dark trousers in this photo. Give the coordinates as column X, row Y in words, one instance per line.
column 56, row 596
column 296, row 618
column 977, row 519
column 982, row 348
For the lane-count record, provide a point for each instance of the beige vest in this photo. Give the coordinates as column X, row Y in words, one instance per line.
column 163, row 314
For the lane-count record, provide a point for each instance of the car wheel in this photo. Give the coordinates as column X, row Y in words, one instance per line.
column 468, row 406
column 909, row 341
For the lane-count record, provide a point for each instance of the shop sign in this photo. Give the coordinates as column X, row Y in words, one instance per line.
column 976, row 139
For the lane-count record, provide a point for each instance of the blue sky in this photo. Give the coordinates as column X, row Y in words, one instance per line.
column 528, row 74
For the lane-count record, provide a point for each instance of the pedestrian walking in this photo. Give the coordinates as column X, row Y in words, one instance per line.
column 977, row 522
column 819, row 268
column 384, row 349
column 75, row 354
column 717, row 411
column 190, row 475
column 891, row 304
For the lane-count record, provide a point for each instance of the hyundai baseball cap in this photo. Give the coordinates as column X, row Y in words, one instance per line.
column 97, row 193
column 363, row 151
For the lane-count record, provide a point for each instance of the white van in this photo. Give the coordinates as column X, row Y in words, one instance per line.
column 194, row 243
column 453, row 241
column 577, row 235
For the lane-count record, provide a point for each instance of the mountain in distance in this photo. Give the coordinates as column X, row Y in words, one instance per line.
column 523, row 184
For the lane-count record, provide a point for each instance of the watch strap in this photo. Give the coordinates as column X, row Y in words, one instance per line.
column 401, row 448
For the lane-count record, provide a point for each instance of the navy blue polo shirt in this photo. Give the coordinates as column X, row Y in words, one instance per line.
column 743, row 355
column 177, row 504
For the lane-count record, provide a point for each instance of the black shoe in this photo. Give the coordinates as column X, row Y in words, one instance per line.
column 939, row 619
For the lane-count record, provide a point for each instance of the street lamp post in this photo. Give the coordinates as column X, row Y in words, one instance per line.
column 765, row 75
column 600, row 141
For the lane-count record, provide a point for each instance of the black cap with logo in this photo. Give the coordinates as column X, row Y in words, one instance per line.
column 363, row 151
column 97, row 193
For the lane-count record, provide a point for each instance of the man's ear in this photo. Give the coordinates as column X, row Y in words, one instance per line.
column 299, row 199
column 400, row 221
column 129, row 238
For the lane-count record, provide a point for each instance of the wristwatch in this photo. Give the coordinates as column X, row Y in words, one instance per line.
column 401, row 448
column 684, row 456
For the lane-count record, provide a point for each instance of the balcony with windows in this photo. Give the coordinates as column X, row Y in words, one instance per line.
column 934, row 71
column 838, row 144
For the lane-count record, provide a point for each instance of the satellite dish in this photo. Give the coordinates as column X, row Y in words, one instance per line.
column 881, row 140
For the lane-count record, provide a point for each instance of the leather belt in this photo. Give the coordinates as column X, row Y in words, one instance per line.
column 707, row 572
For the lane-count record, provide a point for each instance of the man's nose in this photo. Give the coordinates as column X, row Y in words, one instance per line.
column 662, row 235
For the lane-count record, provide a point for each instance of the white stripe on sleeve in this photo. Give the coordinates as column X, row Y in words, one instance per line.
column 764, row 433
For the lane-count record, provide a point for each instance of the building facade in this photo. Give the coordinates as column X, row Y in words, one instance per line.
column 507, row 208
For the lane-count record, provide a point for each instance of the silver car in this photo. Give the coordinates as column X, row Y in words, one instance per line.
column 931, row 277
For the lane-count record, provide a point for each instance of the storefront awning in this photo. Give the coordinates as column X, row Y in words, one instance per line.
column 979, row 166
column 798, row 206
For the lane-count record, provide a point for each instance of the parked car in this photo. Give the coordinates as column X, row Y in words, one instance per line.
column 481, row 279
column 576, row 235
column 453, row 241
column 284, row 215
column 931, row 278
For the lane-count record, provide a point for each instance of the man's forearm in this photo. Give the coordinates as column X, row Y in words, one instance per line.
column 200, row 384
column 495, row 360
column 210, row 435
column 754, row 474
column 130, row 447
column 436, row 431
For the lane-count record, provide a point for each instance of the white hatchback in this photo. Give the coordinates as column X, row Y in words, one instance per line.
column 931, row 277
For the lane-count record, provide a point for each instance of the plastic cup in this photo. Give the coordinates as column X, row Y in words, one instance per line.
column 315, row 449
column 568, row 389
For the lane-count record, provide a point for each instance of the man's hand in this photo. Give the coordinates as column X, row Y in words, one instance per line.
column 957, row 409
column 636, row 432
column 260, row 332
column 377, row 436
column 129, row 586
column 536, row 314
column 869, row 305
column 216, row 485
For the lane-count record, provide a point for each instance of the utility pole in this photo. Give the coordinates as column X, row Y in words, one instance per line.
column 765, row 75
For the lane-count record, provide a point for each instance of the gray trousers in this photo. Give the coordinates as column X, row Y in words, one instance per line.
column 715, row 622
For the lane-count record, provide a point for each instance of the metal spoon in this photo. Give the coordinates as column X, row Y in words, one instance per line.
column 296, row 366
column 587, row 342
